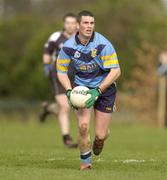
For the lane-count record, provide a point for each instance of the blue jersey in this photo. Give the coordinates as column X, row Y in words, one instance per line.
column 92, row 62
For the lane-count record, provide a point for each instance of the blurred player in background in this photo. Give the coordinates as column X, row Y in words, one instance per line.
column 97, row 67
column 60, row 107
column 162, row 67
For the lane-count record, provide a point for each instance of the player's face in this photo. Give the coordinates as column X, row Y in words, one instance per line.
column 86, row 26
column 70, row 25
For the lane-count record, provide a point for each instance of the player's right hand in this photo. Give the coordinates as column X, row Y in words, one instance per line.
column 68, row 94
column 47, row 69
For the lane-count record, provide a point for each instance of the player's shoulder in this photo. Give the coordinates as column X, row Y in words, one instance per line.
column 70, row 42
column 99, row 38
column 55, row 36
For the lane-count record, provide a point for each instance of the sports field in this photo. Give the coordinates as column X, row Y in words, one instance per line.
column 29, row 150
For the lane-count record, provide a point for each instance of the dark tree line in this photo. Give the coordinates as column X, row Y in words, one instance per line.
column 26, row 25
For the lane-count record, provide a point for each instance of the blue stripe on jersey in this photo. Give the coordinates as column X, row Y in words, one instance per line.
column 92, row 83
column 90, row 75
column 84, row 56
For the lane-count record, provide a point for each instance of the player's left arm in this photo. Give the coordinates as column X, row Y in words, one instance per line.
column 110, row 78
column 110, row 63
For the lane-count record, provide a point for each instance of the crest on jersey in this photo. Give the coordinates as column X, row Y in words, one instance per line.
column 93, row 52
column 77, row 54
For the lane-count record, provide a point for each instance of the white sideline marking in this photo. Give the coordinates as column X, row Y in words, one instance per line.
column 131, row 160
column 57, row 159
column 124, row 161
column 99, row 160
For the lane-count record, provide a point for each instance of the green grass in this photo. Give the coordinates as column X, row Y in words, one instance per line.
column 35, row 151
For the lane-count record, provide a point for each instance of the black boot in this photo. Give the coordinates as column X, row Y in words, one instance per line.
column 68, row 142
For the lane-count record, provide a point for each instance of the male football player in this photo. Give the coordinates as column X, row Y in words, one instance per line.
column 51, row 50
column 97, row 68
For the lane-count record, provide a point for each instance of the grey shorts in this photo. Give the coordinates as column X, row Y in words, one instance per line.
column 57, row 88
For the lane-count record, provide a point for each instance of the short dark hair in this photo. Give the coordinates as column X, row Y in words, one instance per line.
column 69, row 15
column 84, row 13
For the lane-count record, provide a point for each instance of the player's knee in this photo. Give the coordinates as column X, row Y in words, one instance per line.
column 83, row 129
column 103, row 134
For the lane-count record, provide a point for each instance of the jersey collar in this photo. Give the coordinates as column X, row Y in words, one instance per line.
column 78, row 41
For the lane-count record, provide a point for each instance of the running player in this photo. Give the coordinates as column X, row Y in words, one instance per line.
column 97, row 67
column 51, row 50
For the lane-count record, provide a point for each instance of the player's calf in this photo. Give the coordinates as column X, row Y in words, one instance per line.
column 85, row 147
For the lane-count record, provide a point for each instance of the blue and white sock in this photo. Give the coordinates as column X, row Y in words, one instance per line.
column 86, row 158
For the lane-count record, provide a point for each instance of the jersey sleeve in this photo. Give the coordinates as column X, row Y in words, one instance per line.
column 109, row 57
column 49, row 46
column 63, row 62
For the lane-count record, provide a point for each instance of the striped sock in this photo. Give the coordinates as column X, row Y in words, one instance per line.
column 86, row 158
